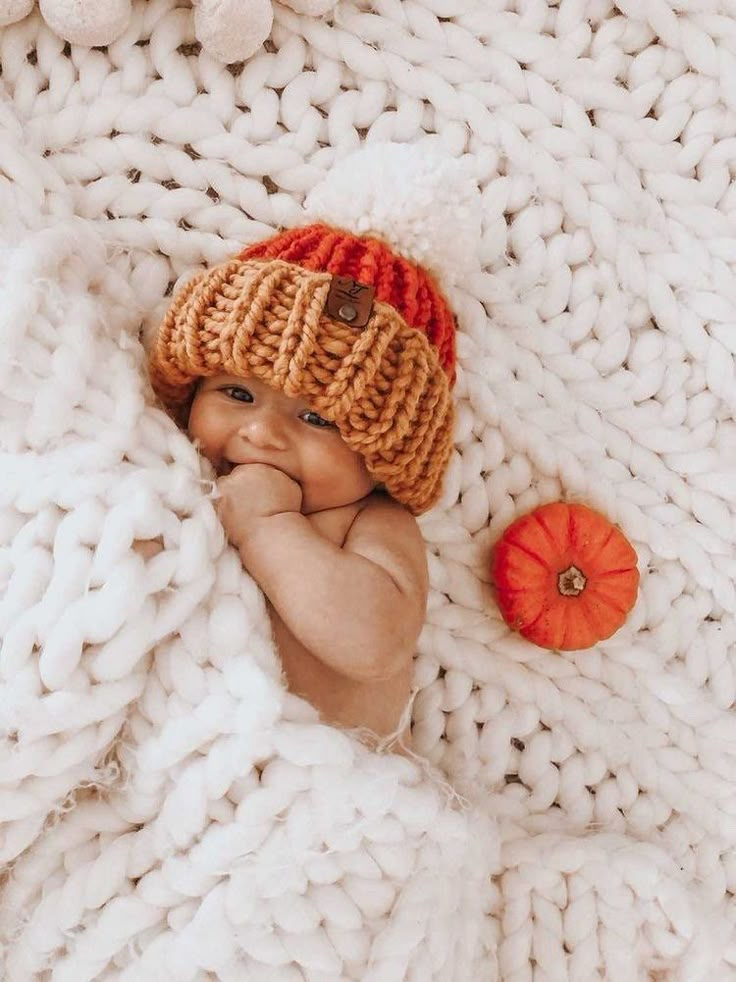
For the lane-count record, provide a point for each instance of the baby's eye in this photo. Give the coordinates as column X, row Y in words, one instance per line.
column 238, row 393
column 314, row 419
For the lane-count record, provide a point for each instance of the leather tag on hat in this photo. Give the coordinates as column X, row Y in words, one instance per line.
column 350, row 301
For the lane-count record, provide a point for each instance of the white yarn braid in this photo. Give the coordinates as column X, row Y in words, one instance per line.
column 150, row 808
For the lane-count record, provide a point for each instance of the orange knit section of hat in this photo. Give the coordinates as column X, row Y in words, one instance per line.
column 409, row 288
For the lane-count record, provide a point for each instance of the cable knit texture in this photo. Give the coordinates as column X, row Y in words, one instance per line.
column 406, row 286
column 168, row 812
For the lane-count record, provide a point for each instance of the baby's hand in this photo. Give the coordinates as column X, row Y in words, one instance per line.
column 252, row 492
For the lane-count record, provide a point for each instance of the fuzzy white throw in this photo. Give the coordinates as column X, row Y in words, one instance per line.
column 168, row 811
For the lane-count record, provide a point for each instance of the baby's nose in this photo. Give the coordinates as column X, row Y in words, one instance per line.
column 265, row 429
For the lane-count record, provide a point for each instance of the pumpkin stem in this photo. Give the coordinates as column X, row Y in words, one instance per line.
column 571, row 582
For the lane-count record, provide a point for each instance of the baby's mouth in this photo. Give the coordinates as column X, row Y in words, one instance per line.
column 226, row 467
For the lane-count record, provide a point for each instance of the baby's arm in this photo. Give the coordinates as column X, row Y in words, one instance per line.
column 359, row 608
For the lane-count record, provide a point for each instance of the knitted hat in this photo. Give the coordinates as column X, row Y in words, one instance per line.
column 351, row 323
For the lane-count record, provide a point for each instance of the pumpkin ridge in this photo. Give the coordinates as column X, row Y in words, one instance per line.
column 565, row 644
column 600, row 551
column 538, row 519
column 515, row 591
column 612, row 572
column 580, row 518
column 591, row 615
column 607, row 598
column 525, row 627
column 606, row 580
column 600, row 557
column 609, row 602
column 532, row 555
column 571, row 536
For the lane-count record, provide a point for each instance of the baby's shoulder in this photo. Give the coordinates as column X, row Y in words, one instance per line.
column 382, row 508
column 385, row 532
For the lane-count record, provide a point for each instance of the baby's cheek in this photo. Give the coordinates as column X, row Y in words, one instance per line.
column 209, row 453
column 205, row 439
column 202, row 445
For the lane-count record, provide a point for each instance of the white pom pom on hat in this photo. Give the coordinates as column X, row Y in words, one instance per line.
column 422, row 202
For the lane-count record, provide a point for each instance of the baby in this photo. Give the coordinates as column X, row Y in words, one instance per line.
column 342, row 566
column 314, row 373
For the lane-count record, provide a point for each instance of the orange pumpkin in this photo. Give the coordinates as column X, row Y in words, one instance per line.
column 565, row 576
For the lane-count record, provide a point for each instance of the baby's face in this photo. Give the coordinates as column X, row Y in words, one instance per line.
column 243, row 421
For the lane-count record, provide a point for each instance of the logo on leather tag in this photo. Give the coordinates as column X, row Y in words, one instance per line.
column 350, row 301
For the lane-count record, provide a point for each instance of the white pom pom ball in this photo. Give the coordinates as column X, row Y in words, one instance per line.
column 12, row 11
column 87, row 22
column 232, row 30
column 422, row 202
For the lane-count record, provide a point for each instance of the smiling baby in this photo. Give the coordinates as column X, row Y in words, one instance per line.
column 314, row 372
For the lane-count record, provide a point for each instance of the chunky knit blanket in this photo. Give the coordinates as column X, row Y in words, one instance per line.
column 167, row 810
